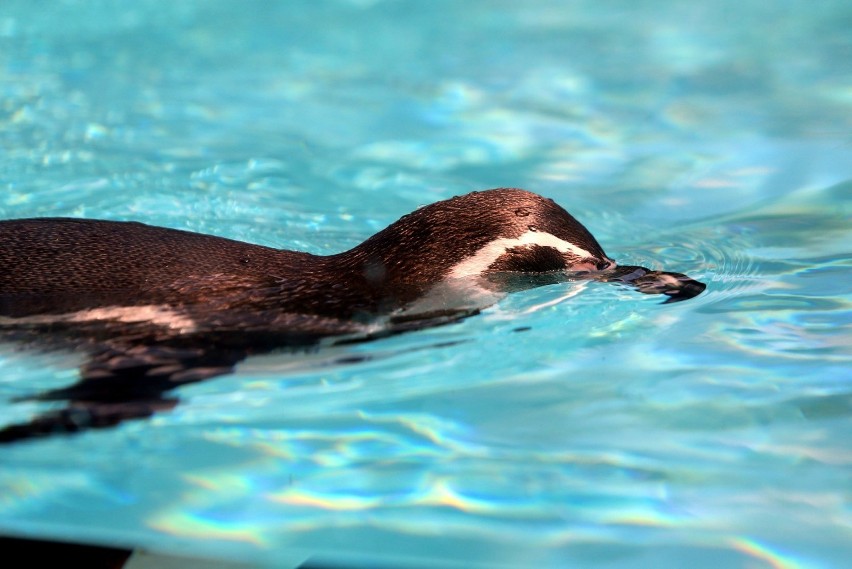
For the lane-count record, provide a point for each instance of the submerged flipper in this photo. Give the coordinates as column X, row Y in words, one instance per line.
column 123, row 380
column 117, row 384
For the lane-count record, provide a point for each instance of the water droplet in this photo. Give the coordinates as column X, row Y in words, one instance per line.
column 532, row 227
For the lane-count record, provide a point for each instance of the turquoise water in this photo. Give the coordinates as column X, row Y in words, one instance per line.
column 566, row 426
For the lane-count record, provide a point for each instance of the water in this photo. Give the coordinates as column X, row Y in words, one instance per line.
column 566, row 426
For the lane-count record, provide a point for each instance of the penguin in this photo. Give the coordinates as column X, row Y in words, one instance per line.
column 156, row 308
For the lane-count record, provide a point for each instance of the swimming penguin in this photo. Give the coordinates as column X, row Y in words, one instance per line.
column 155, row 308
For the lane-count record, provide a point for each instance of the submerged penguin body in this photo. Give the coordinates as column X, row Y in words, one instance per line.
column 158, row 307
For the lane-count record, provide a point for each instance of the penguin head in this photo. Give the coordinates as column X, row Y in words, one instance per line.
column 511, row 238
column 515, row 231
column 504, row 230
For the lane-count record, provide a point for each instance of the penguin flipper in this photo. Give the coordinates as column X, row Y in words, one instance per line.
column 82, row 415
column 121, row 383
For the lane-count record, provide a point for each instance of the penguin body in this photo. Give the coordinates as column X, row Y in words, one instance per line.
column 156, row 307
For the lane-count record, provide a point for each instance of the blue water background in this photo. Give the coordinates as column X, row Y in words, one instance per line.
column 566, row 426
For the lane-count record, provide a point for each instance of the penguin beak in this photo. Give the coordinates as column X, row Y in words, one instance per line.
column 676, row 286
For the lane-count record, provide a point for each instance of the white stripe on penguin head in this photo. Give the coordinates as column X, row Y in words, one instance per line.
column 479, row 262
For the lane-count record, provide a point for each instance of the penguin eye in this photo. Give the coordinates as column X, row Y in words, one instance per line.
column 604, row 265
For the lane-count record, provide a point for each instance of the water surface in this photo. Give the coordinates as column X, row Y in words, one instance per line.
column 567, row 425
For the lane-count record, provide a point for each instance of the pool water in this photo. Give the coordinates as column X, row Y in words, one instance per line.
column 569, row 425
